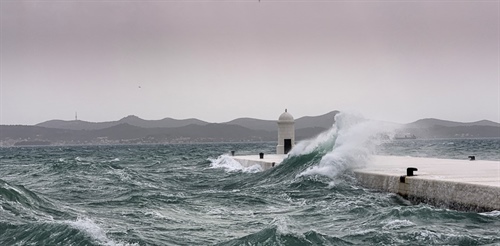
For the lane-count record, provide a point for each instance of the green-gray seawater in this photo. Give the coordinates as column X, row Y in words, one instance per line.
column 183, row 195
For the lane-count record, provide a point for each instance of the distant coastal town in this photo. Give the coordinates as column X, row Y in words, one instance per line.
column 134, row 130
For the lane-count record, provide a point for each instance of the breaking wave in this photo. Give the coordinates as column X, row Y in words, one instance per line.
column 173, row 195
column 348, row 144
column 229, row 164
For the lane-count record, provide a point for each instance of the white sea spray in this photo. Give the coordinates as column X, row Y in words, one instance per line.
column 354, row 139
column 92, row 229
column 231, row 165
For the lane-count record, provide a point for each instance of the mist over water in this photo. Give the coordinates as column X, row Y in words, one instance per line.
column 195, row 194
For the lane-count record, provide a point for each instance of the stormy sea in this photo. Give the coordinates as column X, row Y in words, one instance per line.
column 195, row 194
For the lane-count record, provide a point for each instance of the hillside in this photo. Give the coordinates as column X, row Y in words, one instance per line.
column 131, row 120
column 430, row 122
column 255, row 124
column 322, row 121
column 132, row 129
column 468, row 131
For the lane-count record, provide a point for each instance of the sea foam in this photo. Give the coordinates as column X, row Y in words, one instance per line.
column 231, row 165
column 348, row 144
column 89, row 227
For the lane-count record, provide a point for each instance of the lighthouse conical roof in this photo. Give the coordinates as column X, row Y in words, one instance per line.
column 286, row 117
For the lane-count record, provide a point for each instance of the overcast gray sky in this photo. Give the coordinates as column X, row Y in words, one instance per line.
column 219, row 60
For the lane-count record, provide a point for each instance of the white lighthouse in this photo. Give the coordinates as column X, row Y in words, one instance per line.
column 286, row 133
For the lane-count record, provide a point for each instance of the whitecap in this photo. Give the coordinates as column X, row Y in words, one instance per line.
column 231, row 165
column 308, row 146
column 83, row 159
column 89, row 227
column 396, row 224
column 281, row 224
column 155, row 214
column 494, row 213
column 431, row 236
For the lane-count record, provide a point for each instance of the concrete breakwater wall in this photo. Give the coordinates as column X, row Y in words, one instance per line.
column 455, row 195
column 458, row 184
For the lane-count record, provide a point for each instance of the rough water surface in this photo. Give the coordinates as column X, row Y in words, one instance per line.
column 192, row 194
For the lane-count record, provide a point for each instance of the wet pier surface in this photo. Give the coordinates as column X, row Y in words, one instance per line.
column 267, row 161
column 459, row 184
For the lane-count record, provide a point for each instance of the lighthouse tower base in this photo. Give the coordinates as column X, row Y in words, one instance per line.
column 286, row 133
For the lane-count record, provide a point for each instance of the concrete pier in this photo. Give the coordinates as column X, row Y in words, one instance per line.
column 269, row 161
column 458, row 184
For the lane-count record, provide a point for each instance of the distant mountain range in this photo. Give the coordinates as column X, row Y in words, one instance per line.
column 430, row 122
column 435, row 128
column 134, row 130
column 131, row 120
column 323, row 121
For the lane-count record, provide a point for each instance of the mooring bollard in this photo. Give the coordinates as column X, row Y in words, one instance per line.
column 232, row 152
column 409, row 173
column 261, row 155
column 410, row 170
column 402, row 179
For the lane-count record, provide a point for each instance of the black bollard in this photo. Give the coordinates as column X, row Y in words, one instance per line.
column 410, row 170
column 472, row 157
column 232, row 152
column 402, row 179
column 261, row 155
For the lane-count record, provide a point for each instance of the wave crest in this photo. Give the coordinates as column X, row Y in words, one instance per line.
column 229, row 164
column 348, row 144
